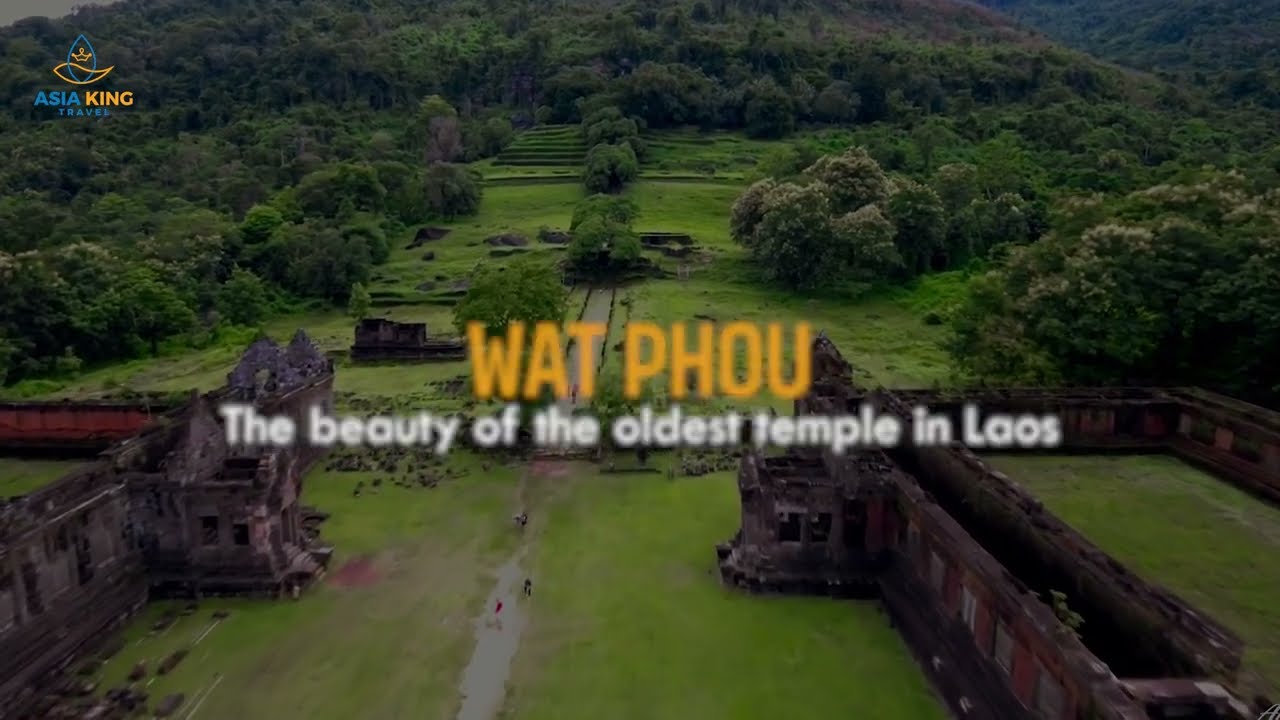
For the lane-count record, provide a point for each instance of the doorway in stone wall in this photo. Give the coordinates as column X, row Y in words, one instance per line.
column 855, row 524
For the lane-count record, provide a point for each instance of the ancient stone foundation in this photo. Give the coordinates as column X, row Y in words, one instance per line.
column 170, row 509
column 966, row 562
column 378, row 339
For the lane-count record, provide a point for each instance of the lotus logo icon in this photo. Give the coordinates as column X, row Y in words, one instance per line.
column 1273, row 713
column 81, row 67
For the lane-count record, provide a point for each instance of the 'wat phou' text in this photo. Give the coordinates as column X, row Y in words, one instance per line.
column 706, row 359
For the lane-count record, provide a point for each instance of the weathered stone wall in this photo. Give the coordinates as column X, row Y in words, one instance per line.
column 68, row 575
column 171, row 507
column 988, row 643
column 979, row 556
column 1235, row 441
column 1139, row 628
column 1230, row 438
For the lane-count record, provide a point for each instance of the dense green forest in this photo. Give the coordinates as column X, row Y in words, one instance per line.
column 278, row 149
column 1231, row 48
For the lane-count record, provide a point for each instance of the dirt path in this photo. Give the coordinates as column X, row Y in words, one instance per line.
column 484, row 681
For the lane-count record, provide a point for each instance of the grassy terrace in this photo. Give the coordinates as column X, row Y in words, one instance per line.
column 1210, row 543
column 554, row 154
column 550, row 146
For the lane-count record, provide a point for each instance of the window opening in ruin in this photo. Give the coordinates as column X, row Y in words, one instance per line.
column 789, row 527
column 968, row 608
column 1048, row 699
column 63, row 542
column 286, row 528
column 240, row 533
column 937, row 571
column 7, row 594
column 31, row 586
column 820, row 528
column 855, row 524
column 84, row 559
column 1004, row 648
column 1246, row 448
column 1203, row 431
column 209, row 530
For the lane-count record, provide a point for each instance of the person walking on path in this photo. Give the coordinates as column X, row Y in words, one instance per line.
column 528, row 587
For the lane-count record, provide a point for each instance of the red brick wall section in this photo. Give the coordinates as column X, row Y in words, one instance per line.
column 66, row 422
column 1153, row 425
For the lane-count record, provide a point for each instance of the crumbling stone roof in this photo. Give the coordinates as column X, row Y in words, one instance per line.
column 305, row 356
column 267, row 369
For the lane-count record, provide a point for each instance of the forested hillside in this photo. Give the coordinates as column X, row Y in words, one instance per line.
column 1228, row 46
column 278, row 150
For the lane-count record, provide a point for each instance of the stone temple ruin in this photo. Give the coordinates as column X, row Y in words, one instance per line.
column 965, row 562
column 378, row 339
column 963, row 559
column 170, row 510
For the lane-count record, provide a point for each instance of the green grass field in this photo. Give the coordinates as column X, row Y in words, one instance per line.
column 21, row 476
column 628, row 619
column 1210, row 543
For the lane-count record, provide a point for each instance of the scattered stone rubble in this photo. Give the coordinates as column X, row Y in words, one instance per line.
column 703, row 461
column 401, row 467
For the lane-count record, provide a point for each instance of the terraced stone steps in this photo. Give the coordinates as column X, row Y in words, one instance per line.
column 549, row 146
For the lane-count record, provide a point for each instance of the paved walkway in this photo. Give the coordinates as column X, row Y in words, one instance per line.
column 597, row 310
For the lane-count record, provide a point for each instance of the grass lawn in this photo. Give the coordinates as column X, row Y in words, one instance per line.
column 883, row 338
column 629, row 620
column 390, row 650
column 1215, row 546
column 23, row 476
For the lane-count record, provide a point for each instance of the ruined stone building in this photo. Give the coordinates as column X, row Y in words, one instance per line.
column 378, row 339
column 965, row 561
column 169, row 509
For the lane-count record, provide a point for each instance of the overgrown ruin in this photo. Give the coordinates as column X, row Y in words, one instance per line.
column 967, row 563
column 378, row 339
column 170, row 510
column 963, row 559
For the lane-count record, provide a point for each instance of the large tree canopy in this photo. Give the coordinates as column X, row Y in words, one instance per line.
column 527, row 290
column 1176, row 284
